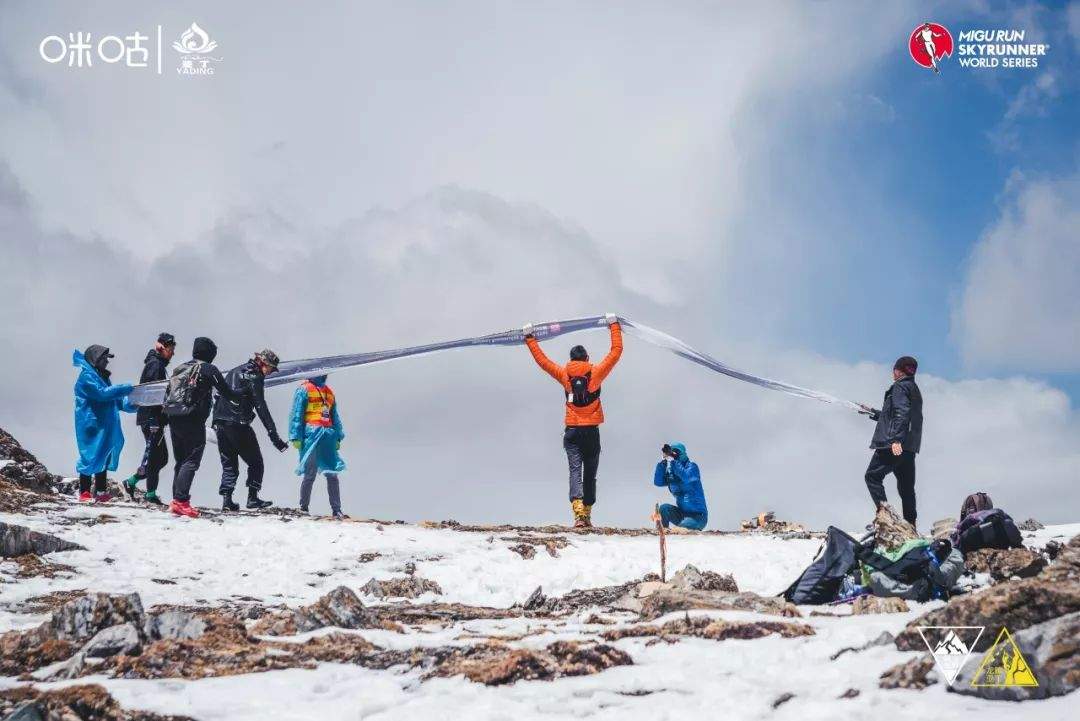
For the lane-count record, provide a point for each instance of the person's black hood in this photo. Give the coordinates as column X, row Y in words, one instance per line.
column 204, row 350
column 97, row 356
column 152, row 354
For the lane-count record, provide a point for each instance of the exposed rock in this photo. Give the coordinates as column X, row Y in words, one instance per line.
column 392, row 614
column 175, row 624
column 1031, row 525
column 19, row 540
column 918, row 673
column 890, row 530
column 782, row 699
column 22, row 468
column 850, row 693
column 81, row 619
column 551, row 544
column 496, row 664
column 664, row 602
column 691, row 578
column 368, row 557
column 1016, row 605
column 111, row 641
column 524, row 550
column 1051, row 649
column 1003, row 564
column 340, row 608
column 535, row 600
column 72, row 703
column 715, row 629
column 50, row 601
column 407, row 587
column 877, row 604
column 943, row 528
column 884, row 639
column 1052, row 549
column 766, row 522
column 33, row 566
column 606, row 596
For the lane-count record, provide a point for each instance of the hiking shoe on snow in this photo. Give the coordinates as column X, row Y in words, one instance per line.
column 582, row 523
column 152, row 498
column 254, row 502
column 85, row 497
column 303, row 509
column 102, row 497
column 228, row 504
column 130, row 485
column 183, row 508
column 339, row 516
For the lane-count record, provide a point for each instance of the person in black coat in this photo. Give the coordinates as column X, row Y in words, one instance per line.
column 151, row 421
column 235, row 436
column 897, row 437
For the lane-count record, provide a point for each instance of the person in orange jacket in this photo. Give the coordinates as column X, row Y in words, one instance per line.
column 581, row 381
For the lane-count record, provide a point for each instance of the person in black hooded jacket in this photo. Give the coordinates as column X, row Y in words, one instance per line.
column 188, row 431
column 897, row 437
column 235, row 436
column 151, row 420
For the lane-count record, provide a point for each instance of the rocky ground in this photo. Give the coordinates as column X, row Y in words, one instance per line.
column 121, row 611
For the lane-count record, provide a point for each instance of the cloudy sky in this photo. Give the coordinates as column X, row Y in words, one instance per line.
column 778, row 184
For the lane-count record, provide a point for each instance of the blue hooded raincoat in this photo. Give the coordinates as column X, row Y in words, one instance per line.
column 97, row 418
column 683, row 479
column 320, row 440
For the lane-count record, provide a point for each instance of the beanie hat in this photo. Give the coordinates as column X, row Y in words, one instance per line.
column 907, row 364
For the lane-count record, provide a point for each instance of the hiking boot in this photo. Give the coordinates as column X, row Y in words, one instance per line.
column 339, row 516
column 130, row 485
column 103, row 497
column 85, row 497
column 183, row 508
column 304, row 509
column 228, row 504
column 151, row 497
column 581, row 513
column 582, row 523
column 255, row 503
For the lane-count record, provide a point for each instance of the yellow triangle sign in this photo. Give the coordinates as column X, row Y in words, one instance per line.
column 1004, row 665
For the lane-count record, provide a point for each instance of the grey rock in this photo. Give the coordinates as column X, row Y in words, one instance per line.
column 22, row 468
column 691, row 578
column 19, row 540
column 341, row 607
column 83, row 618
column 28, row 711
column 535, row 600
column 175, row 625
column 111, row 641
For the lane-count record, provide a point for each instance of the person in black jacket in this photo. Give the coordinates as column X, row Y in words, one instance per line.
column 188, row 431
column 897, row 437
column 151, row 420
column 235, row 436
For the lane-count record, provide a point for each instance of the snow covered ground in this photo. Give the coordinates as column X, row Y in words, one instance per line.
column 294, row 561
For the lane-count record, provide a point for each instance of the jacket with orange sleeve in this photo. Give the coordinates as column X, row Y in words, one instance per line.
column 592, row 414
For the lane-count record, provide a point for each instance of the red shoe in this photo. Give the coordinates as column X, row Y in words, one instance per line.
column 85, row 497
column 183, row 508
column 103, row 497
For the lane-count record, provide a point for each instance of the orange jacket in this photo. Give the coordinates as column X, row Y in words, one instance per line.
column 592, row 414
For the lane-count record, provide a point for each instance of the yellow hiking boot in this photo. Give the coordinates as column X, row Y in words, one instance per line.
column 581, row 513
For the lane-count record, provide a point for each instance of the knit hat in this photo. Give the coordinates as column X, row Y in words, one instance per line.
column 907, row 364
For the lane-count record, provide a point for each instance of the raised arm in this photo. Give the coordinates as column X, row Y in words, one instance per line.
column 546, row 364
column 660, row 475
column 93, row 387
column 601, row 369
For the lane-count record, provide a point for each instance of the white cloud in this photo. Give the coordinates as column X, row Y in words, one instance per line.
column 1018, row 306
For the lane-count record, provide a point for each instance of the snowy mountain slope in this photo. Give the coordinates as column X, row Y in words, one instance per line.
column 280, row 560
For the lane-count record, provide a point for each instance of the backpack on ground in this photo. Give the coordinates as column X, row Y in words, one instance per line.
column 182, row 394
column 579, row 394
column 996, row 530
column 978, row 501
column 822, row 579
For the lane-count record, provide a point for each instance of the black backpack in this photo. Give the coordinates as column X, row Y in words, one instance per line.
column 978, row 501
column 997, row 530
column 579, row 394
column 822, row 579
column 182, row 394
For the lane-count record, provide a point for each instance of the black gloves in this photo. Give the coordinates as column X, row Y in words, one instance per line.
column 278, row 443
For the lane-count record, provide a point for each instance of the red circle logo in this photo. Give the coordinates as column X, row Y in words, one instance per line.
column 929, row 43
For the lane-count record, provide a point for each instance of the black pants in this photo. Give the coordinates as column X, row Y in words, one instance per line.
column 155, row 456
column 237, row 441
column 99, row 482
column 882, row 463
column 582, row 445
column 188, row 443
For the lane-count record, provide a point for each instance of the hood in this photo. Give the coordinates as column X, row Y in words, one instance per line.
column 680, row 449
column 97, row 356
column 204, row 349
column 152, row 354
column 578, row 368
column 318, row 380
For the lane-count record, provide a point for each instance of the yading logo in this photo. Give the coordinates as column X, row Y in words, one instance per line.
column 950, row 646
column 1004, row 665
column 929, row 43
column 194, row 45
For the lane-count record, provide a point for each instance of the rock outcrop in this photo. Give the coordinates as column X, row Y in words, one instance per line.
column 405, row 587
column 878, row 604
column 666, row 601
column 340, row 608
column 890, row 530
column 72, row 703
column 20, row 540
column 496, row 664
column 19, row 466
column 715, row 629
column 1003, row 564
column 918, row 673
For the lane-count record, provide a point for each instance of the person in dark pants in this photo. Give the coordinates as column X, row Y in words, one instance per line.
column 236, row 438
column 580, row 381
column 187, row 406
column 897, row 437
column 151, row 420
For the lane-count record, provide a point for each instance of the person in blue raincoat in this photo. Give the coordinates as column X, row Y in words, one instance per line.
column 315, row 430
column 683, row 478
column 97, row 420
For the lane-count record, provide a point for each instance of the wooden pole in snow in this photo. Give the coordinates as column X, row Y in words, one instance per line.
column 663, row 546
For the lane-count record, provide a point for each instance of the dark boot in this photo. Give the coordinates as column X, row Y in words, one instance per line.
column 228, row 504
column 255, row 502
column 131, row 485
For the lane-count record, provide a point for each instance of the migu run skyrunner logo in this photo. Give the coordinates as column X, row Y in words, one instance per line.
column 975, row 48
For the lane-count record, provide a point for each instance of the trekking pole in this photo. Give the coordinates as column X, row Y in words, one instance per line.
column 663, row 546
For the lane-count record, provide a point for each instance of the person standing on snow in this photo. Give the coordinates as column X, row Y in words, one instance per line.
column 97, row 420
column 682, row 477
column 315, row 430
column 151, row 420
column 186, row 407
column 581, row 381
column 236, row 438
column 897, row 437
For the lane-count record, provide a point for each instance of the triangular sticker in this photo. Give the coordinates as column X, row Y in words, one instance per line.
column 950, row 646
column 1004, row 665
